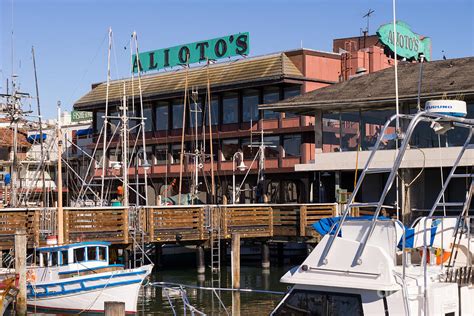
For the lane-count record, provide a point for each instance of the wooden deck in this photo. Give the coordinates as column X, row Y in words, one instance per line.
column 165, row 224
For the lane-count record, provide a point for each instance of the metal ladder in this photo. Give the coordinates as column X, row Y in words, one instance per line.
column 405, row 138
column 215, row 241
column 138, row 237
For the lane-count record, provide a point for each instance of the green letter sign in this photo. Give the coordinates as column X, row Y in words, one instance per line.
column 409, row 44
column 222, row 47
column 78, row 116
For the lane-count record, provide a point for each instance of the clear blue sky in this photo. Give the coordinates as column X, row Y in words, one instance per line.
column 70, row 36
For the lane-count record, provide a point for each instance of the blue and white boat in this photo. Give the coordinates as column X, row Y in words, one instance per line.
column 79, row 278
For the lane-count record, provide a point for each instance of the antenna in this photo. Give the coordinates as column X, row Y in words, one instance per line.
column 367, row 15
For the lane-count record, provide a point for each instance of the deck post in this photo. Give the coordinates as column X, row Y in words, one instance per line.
column 235, row 261
column 20, row 269
column 265, row 255
column 200, row 261
column 114, row 308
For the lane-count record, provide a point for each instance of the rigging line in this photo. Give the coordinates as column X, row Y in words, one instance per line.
column 89, row 66
column 181, row 156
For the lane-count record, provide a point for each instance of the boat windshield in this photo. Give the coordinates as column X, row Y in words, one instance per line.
column 302, row 302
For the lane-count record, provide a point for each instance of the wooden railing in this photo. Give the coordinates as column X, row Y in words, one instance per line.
column 165, row 224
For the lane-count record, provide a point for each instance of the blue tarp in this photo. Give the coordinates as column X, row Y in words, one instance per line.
column 84, row 132
column 36, row 138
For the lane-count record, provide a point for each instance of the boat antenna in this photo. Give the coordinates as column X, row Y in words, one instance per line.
column 40, row 127
column 418, row 103
column 60, row 215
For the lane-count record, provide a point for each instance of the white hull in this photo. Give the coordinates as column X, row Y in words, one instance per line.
column 88, row 293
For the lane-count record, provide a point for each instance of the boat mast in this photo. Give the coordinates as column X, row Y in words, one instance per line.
column 40, row 128
column 124, row 119
column 106, row 120
column 181, row 156
column 213, row 188
column 60, row 178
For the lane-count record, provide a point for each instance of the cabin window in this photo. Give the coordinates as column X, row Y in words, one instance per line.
column 44, row 259
column 79, row 255
column 301, row 302
column 64, row 257
column 91, row 253
column 54, row 258
column 102, row 253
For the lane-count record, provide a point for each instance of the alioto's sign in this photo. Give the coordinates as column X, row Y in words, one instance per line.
column 222, row 47
column 409, row 44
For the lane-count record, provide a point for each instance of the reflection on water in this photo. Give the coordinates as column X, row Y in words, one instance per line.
column 154, row 300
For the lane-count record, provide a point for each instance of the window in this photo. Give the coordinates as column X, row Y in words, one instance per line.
column 229, row 148
column 99, row 120
column 292, row 145
column 54, row 258
column 177, row 114
column 79, row 255
column 149, row 156
column 162, row 116
column 230, row 108
column 250, row 102
column 271, row 95
column 91, row 253
column 289, row 92
column 45, row 259
column 102, row 253
column 272, row 144
column 250, row 148
column 148, row 115
column 301, row 302
column 64, row 257
column 195, row 114
column 161, row 154
column 214, row 111
column 175, row 153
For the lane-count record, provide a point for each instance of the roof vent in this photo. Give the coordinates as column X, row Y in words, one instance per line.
column 360, row 70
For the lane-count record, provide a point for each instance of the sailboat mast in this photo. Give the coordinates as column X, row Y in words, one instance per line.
column 40, row 129
column 106, row 120
column 181, row 156
column 213, row 187
column 15, row 112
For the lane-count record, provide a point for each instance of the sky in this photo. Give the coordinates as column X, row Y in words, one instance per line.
column 70, row 36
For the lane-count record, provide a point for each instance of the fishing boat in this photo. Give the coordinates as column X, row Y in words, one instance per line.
column 376, row 265
column 79, row 278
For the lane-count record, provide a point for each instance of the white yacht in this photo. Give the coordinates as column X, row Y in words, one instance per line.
column 79, row 278
column 376, row 266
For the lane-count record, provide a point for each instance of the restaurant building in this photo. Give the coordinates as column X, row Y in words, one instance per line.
column 237, row 87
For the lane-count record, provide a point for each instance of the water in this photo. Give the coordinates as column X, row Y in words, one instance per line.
column 153, row 300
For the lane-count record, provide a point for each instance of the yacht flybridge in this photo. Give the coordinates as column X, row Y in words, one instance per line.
column 78, row 277
column 376, row 265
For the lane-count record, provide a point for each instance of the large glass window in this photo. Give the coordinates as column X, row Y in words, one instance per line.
column 292, row 145
column 148, row 115
column 250, row 100
column 161, row 154
column 271, row 95
column 162, row 116
column 230, row 108
column 177, row 114
column 272, row 144
column 99, row 120
column 229, row 148
column 301, row 302
column 289, row 92
column 214, row 111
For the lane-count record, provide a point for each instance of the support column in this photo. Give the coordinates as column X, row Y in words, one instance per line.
column 280, row 253
column 318, row 133
column 265, row 255
column 20, row 270
column 200, row 260
column 235, row 266
column 126, row 258
column 158, row 256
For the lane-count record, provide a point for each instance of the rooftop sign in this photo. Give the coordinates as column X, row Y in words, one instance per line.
column 216, row 48
column 409, row 44
column 79, row 116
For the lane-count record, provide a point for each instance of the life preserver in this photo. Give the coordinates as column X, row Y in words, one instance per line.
column 441, row 256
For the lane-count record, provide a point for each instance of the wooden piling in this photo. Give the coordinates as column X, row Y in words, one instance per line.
column 235, row 258
column 265, row 255
column 114, row 308
column 200, row 262
column 20, row 269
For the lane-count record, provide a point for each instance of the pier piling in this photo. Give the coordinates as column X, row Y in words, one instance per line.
column 235, row 261
column 201, row 265
column 114, row 308
column 265, row 255
column 20, row 269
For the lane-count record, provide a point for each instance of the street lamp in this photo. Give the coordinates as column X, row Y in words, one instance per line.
column 240, row 167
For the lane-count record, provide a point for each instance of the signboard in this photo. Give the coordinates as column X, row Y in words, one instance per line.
column 409, row 44
column 222, row 47
column 79, row 116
